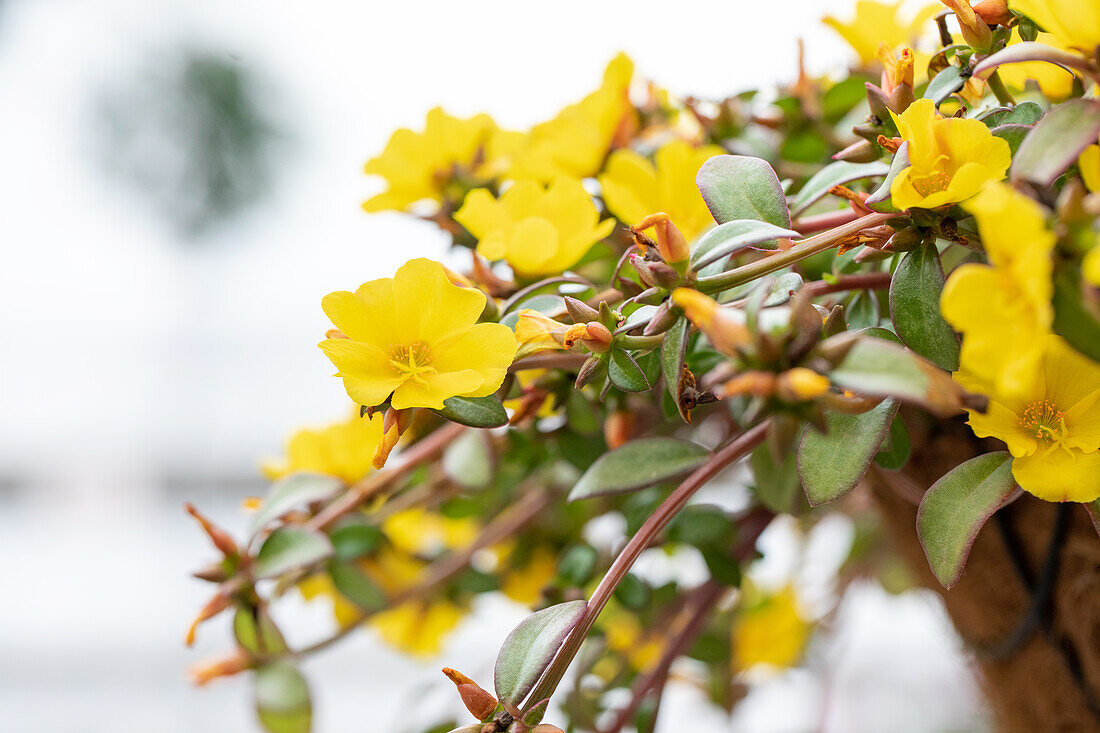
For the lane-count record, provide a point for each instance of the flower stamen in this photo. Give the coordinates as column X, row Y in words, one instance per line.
column 1046, row 421
column 413, row 360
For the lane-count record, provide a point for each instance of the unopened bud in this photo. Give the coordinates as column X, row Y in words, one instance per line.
column 212, row 669
column 597, row 338
column 580, row 311
column 662, row 320
column 905, row 239
column 722, row 328
column 480, row 703
column 546, row 728
column 861, row 151
column 671, row 243
column 214, row 573
column 653, row 273
column 801, row 385
column 993, row 12
column 592, row 369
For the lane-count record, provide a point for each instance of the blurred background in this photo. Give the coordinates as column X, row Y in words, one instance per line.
column 181, row 184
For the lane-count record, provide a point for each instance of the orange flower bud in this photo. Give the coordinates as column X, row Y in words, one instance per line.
column 617, row 428
column 993, row 12
column 801, row 384
column 573, row 334
column 479, row 702
column 974, row 29
column 221, row 539
column 671, row 243
column 756, row 384
column 724, row 330
column 214, row 606
column 597, row 337
column 394, row 423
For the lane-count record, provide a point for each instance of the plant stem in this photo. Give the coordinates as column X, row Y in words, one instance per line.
column 627, row 341
column 779, row 260
column 657, row 521
column 1000, row 91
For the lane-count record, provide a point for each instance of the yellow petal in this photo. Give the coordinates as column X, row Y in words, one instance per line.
column 428, row 306
column 1056, row 474
column 366, row 315
column 1089, row 163
column 368, row 376
column 430, row 390
column 487, row 348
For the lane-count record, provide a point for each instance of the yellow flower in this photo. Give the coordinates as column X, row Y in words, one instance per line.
column 536, row 332
column 950, row 160
column 772, row 632
column 1052, row 428
column 343, row 449
column 1089, row 164
column 525, row 584
column 1054, row 81
column 875, row 23
column 634, row 188
column 420, row 165
column 320, row 585
column 576, row 142
column 527, row 378
column 418, row 627
column 538, row 230
column 1090, row 266
column 1003, row 309
column 725, row 330
column 416, row 336
column 419, row 532
column 1075, row 23
column 626, row 635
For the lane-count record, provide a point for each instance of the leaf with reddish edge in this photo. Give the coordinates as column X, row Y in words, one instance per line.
column 742, row 187
column 954, row 510
column 529, row 649
column 1056, row 141
column 1093, row 508
column 830, row 464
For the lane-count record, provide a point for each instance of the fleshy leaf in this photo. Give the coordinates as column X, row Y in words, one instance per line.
column 879, row 200
column 625, row 373
column 1072, row 321
column 945, row 83
column 877, row 368
column 293, row 491
column 915, row 308
column 282, row 699
column 354, row 585
column 742, row 187
column 955, row 508
column 474, row 412
column 530, row 647
column 1056, row 141
column 673, row 352
column 288, row 548
column 723, row 239
column 256, row 632
column 639, row 463
column 830, row 464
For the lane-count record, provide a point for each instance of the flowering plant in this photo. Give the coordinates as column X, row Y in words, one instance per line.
column 808, row 280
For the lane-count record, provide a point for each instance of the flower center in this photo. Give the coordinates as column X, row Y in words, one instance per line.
column 932, row 183
column 412, row 360
column 1046, row 421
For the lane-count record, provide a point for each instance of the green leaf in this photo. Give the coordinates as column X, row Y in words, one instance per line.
column 831, row 175
column 632, row 592
column 1024, row 113
column 878, row 368
column 288, row 548
column 1056, row 141
column 354, row 540
column 1072, row 321
column 625, row 373
column 354, row 585
column 638, row 464
column 895, row 451
column 945, row 83
column 723, row 566
column 474, row 412
column 780, row 289
column 879, row 200
column 466, row 461
column 256, row 632
column 832, row 463
column 1012, row 134
column 530, row 647
column 291, row 492
column 776, row 485
column 673, row 353
column 577, row 564
column 700, row 525
column 742, row 187
column 723, row 239
column 915, row 308
column 955, row 508
column 282, row 699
